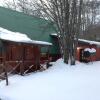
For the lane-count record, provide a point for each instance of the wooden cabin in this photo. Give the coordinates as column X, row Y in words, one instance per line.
column 35, row 28
column 22, row 55
column 82, row 45
column 21, row 58
column 87, row 44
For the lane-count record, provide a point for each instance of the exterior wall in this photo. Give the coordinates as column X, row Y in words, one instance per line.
column 21, row 55
column 95, row 57
column 98, row 53
column 16, row 52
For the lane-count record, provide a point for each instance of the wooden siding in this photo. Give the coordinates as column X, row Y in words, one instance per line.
column 22, row 57
column 95, row 57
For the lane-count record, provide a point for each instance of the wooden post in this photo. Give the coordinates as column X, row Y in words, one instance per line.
column 4, row 65
column 37, row 58
column 6, row 75
column 3, row 61
column 22, row 61
column 38, row 62
column 48, row 56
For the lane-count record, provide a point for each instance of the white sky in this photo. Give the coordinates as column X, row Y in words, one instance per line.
column 2, row 2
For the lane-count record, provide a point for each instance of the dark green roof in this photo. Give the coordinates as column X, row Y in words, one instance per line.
column 35, row 28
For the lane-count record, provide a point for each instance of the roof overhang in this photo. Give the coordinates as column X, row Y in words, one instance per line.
column 33, row 42
column 89, row 42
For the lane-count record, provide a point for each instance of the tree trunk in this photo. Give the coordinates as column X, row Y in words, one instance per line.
column 66, row 56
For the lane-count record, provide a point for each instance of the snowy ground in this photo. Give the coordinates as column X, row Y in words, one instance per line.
column 60, row 82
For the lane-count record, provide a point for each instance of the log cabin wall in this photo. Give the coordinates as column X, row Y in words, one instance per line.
column 22, row 55
column 98, row 53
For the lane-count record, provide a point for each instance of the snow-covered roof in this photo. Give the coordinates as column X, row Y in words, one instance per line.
column 19, row 37
column 82, row 40
column 90, row 42
column 54, row 34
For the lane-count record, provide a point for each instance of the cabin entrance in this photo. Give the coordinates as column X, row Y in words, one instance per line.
column 84, row 56
column 81, row 55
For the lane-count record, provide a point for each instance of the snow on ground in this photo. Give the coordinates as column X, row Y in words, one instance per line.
column 59, row 82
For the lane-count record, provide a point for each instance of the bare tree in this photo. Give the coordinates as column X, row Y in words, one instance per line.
column 90, row 12
column 66, row 15
column 25, row 6
column 10, row 4
column 70, row 17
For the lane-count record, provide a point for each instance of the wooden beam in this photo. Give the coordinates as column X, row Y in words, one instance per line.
column 6, row 75
column 37, row 58
column 5, row 68
column 47, row 64
column 22, row 59
column 3, row 61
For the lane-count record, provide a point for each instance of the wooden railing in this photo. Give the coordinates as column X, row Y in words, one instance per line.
column 9, row 67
